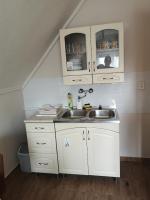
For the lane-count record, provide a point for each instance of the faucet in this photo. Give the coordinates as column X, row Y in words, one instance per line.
column 85, row 92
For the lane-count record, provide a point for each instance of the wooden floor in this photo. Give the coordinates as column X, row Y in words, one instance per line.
column 134, row 184
column 1, row 175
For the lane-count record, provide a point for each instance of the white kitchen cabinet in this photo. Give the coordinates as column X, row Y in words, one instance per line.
column 88, row 148
column 96, row 52
column 42, row 147
column 76, row 51
column 103, row 152
column 72, row 151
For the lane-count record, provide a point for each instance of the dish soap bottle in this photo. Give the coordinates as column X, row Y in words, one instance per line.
column 70, row 101
column 79, row 103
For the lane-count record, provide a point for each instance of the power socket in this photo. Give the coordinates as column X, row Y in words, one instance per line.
column 140, row 85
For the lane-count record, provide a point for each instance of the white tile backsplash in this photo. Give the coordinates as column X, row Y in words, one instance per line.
column 129, row 100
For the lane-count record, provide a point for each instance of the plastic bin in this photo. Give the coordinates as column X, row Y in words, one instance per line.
column 24, row 159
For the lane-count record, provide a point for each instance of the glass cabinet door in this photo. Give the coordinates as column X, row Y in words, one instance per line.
column 75, row 47
column 107, row 49
column 76, row 57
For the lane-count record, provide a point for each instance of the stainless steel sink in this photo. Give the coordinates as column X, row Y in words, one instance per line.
column 74, row 114
column 95, row 115
column 101, row 114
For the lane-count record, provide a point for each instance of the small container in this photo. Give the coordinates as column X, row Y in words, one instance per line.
column 70, row 101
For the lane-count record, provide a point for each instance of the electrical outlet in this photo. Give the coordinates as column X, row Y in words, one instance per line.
column 140, row 85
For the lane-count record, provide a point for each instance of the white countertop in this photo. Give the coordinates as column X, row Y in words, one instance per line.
column 51, row 119
column 40, row 119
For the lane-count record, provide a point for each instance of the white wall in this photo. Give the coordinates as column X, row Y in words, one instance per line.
column 12, row 131
column 27, row 29
column 133, row 105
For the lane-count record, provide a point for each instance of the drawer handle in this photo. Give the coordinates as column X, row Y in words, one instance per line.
column 42, row 128
column 41, row 143
column 108, row 78
column 43, row 164
column 77, row 80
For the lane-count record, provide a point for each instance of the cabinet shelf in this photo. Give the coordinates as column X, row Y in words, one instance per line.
column 107, row 50
column 74, row 53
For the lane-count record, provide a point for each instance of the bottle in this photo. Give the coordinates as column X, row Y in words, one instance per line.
column 70, row 101
column 79, row 103
column 114, row 106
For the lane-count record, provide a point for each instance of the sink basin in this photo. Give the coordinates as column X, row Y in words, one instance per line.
column 89, row 115
column 74, row 114
column 101, row 114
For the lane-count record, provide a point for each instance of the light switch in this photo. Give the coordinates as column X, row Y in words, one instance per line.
column 140, row 85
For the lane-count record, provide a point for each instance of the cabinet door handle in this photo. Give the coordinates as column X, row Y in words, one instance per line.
column 94, row 65
column 88, row 134
column 89, row 66
column 83, row 134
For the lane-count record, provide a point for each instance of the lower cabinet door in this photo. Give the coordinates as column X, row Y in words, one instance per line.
column 72, row 151
column 103, row 152
column 44, row 163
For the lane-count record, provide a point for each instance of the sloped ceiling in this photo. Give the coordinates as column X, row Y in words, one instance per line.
column 27, row 27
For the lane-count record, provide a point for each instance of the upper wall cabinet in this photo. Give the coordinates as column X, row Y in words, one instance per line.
column 76, row 55
column 93, row 54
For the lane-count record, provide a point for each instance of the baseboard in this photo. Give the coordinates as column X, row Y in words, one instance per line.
column 134, row 159
column 2, row 184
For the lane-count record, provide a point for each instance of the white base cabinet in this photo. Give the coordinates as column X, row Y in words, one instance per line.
column 82, row 148
column 90, row 149
column 42, row 147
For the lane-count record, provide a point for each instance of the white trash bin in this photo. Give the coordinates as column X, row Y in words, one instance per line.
column 24, row 159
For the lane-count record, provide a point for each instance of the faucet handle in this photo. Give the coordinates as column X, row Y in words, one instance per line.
column 91, row 90
column 81, row 91
column 100, row 107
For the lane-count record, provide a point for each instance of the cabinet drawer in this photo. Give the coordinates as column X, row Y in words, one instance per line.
column 40, row 127
column 45, row 143
column 78, row 80
column 44, row 163
column 108, row 78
